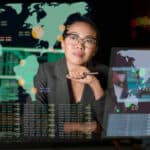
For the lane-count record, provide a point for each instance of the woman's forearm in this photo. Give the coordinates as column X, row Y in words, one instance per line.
column 83, row 127
column 97, row 89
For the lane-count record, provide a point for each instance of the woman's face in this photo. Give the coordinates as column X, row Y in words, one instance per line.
column 80, row 43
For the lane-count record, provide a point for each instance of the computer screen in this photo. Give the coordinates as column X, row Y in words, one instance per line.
column 127, row 110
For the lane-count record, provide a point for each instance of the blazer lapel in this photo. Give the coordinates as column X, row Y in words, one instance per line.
column 62, row 96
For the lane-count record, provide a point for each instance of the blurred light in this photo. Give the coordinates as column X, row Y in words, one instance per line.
column 21, row 82
column 133, row 35
column 60, row 38
column 37, row 32
column 34, row 90
column 133, row 23
column 22, row 62
column 62, row 27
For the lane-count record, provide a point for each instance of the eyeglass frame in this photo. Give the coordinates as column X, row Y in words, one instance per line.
column 81, row 39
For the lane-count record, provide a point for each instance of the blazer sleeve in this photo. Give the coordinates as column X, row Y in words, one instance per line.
column 99, row 104
column 40, row 84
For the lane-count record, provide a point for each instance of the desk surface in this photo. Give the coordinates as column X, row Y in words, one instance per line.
column 105, row 145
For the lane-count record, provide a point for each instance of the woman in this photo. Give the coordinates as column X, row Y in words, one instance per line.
column 70, row 80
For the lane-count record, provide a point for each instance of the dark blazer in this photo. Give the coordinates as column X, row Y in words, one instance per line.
column 52, row 88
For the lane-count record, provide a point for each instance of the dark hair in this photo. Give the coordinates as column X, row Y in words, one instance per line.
column 77, row 17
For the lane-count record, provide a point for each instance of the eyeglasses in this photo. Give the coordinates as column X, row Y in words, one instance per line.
column 74, row 39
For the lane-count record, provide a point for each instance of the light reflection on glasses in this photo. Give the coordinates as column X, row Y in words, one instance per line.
column 74, row 39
